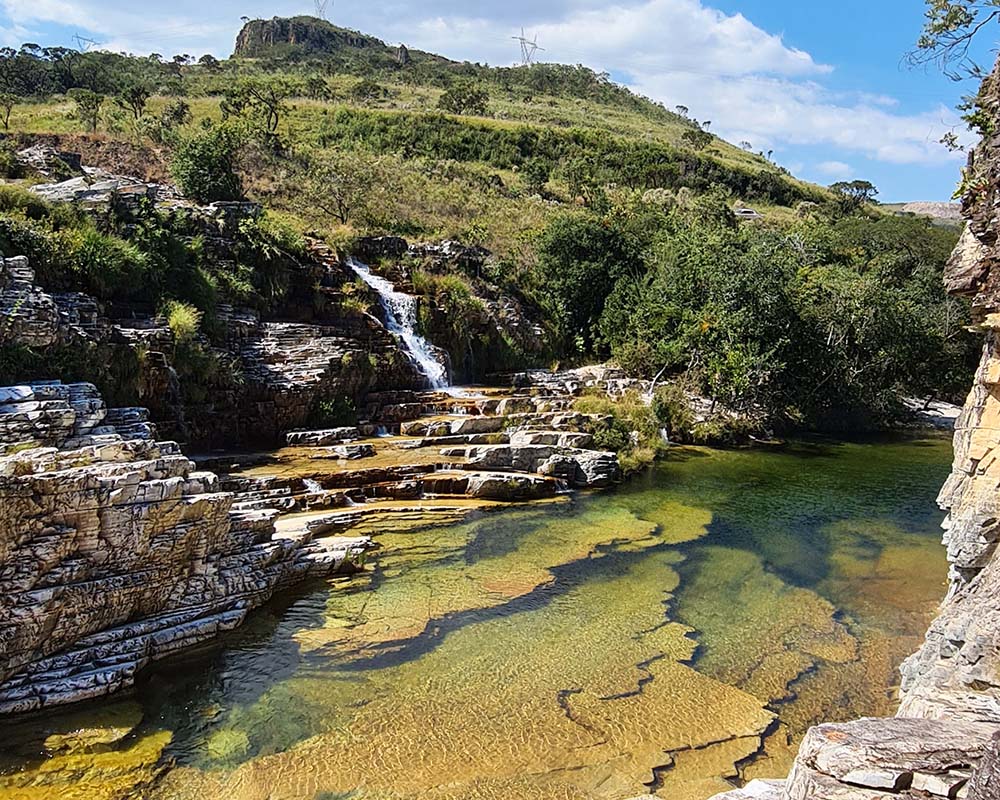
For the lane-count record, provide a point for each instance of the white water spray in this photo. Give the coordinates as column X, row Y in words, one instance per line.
column 401, row 319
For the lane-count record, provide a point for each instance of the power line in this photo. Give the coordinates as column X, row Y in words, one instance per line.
column 321, row 8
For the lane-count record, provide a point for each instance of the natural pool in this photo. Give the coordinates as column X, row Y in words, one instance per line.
column 674, row 633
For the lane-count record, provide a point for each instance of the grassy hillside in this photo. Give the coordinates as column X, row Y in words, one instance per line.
column 607, row 214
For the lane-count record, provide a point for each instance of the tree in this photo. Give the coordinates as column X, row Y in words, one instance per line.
column 175, row 114
column 204, row 164
column 7, row 103
column 344, row 185
column 209, row 62
column 682, row 111
column 88, row 106
column 317, row 88
column 536, row 172
column 949, row 28
column 697, row 139
column 854, row 194
column 367, row 89
column 466, row 98
column 262, row 99
column 581, row 258
column 133, row 97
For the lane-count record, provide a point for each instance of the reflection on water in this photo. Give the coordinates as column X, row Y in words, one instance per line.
column 656, row 637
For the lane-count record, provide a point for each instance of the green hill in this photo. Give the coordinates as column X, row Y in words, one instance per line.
column 609, row 219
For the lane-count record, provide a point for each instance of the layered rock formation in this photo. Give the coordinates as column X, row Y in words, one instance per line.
column 115, row 551
column 945, row 741
column 276, row 368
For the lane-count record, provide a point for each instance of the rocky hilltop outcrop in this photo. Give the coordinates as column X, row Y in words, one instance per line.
column 116, row 551
column 261, row 37
column 945, row 740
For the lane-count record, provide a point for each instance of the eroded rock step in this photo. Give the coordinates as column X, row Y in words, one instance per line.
column 512, row 446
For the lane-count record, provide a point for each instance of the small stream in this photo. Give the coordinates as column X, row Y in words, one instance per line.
column 675, row 633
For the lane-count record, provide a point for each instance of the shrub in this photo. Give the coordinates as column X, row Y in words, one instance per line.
column 10, row 167
column 176, row 113
column 88, row 107
column 18, row 198
column 673, row 411
column 108, row 266
column 614, row 436
column 184, row 320
column 280, row 231
column 204, row 164
column 333, row 412
column 465, row 99
column 633, row 430
column 367, row 89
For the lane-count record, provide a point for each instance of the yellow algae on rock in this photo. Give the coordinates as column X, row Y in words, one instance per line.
column 110, row 774
column 757, row 632
column 434, row 573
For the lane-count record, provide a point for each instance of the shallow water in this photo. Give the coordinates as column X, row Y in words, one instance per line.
column 681, row 631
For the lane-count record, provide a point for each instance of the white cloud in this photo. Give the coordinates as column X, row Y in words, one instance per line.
column 776, row 111
column 653, row 36
column 835, row 169
column 121, row 25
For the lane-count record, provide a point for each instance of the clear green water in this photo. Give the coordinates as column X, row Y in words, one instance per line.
column 679, row 632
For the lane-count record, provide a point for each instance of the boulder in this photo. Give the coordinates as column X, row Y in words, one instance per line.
column 466, row 425
column 321, row 438
column 880, row 758
column 551, row 438
column 584, row 469
column 509, row 487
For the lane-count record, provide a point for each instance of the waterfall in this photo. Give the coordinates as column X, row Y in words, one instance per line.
column 401, row 319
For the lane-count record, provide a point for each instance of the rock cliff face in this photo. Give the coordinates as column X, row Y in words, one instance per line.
column 944, row 741
column 115, row 551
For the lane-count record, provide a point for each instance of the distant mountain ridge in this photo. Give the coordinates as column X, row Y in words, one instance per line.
column 948, row 211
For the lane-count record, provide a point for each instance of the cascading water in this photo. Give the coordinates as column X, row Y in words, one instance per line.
column 401, row 319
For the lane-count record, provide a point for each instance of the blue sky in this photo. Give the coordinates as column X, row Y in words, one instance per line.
column 820, row 83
